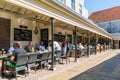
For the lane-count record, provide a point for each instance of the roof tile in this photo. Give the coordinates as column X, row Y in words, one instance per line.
column 106, row 15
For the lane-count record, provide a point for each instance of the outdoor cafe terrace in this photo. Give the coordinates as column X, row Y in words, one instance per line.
column 61, row 63
column 30, row 20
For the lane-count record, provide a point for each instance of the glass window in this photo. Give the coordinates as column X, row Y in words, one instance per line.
column 80, row 8
column 63, row 1
column 73, row 4
column 73, row 1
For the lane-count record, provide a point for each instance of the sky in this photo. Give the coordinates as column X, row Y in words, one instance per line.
column 96, row 5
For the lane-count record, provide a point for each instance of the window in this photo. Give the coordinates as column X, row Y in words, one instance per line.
column 73, row 4
column 63, row 1
column 80, row 9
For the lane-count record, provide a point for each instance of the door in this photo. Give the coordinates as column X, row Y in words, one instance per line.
column 44, row 36
column 69, row 37
column 4, row 33
column 119, row 44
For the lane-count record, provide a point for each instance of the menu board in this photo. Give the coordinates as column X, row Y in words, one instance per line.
column 59, row 38
column 22, row 35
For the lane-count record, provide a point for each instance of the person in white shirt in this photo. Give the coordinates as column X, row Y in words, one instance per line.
column 80, row 46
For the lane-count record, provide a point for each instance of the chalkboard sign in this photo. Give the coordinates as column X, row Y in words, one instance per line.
column 59, row 38
column 22, row 35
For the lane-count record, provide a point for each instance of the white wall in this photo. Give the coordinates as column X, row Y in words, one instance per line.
column 85, row 13
column 77, row 2
column 68, row 3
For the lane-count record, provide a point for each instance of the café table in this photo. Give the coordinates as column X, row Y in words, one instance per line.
column 3, row 58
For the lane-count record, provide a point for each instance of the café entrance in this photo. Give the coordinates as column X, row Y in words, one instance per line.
column 44, row 36
column 4, row 33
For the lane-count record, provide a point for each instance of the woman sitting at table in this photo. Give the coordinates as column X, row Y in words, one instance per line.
column 42, row 47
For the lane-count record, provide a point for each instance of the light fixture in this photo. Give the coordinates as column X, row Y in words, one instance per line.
column 36, row 30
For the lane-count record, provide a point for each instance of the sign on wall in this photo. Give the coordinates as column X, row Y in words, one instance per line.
column 22, row 35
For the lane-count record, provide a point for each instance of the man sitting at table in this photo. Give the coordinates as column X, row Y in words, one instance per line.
column 11, row 49
column 42, row 47
column 18, row 51
column 30, row 47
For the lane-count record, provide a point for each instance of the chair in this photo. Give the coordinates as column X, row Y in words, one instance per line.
column 93, row 50
column 43, row 59
column 84, row 52
column 67, row 56
column 90, row 51
column 58, row 56
column 78, row 53
column 32, row 58
column 20, row 64
column 49, row 57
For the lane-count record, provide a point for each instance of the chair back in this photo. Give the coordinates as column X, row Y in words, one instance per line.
column 78, row 51
column 58, row 53
column 84, row 52
column 21, row 59
column 32, row 58
column 50, row 55
column 68, row 53
column 43, row 56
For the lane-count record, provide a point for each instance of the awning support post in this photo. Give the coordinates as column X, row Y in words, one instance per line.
column 52, row 34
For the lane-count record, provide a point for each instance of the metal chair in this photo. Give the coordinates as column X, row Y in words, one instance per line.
column 79, row 53
column 32, row 58
column 84, row 52
column 20, row 64
column 42, row 59
column 58, row 56
column 66, row 57
column 49, row 57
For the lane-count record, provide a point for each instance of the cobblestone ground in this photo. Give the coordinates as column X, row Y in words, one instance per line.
column 103, row 66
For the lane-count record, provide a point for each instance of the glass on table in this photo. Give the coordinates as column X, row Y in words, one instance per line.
column 0, row 53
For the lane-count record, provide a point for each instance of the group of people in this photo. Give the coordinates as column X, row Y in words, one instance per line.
column 32, row 48
column 64, row 47
column 17, row 49
column 29, row 48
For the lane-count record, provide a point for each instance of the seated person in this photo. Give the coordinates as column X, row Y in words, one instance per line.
column 80, row 46
column 10, row 50
column 30, row 47
column 18, row 51
column 42, row 47
column 57, row 46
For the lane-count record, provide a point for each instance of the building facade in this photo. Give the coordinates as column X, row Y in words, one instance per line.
column 77, row 6
column 30, row 20
column 109, row 20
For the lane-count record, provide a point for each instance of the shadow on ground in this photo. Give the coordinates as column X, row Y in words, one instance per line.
column 108, row 70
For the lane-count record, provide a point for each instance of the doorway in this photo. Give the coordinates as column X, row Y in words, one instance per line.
column 44, row 36
column 4, row 33
column 119, row 44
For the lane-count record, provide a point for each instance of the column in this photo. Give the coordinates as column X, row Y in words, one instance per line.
column 88, row 41
column 100, row 44
column 95, row 44
column 52, row 35
column 75, row 43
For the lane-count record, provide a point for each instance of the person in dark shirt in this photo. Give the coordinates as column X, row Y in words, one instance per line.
column 18, row 51
column 30, row 47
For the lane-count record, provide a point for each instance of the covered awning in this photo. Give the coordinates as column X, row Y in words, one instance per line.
column 116, row 36
column 53, row 8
